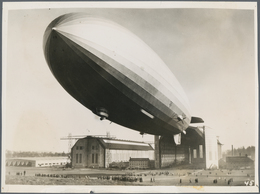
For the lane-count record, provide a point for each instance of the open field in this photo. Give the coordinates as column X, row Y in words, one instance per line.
column 162, row 177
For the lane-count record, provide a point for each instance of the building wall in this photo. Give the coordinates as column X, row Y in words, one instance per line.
column 51, row 162
column 124, row 155
column 90, row 153
column 107, row 158
column 211, row 148
column 79, row 154
column 20, row 162
column 190, row 151
column 167, row 151
column 236, row 162
column 93, row 153
column 37, row 161
column 139, row 164
column 198, row 155
column 219, row 151
column 172, row 154
column 181, row 154
column 156, row 152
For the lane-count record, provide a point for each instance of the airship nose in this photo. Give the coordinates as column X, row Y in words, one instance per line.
column 54, row 28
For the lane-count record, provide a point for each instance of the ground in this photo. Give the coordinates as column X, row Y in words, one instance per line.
column 162, row 177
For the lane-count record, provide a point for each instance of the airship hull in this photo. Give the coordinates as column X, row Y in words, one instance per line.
column 101, row 77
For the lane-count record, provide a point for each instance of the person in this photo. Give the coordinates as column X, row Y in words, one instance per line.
column 24, row 172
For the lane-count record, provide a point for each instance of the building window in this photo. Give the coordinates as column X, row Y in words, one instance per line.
column 77, row 158
column 93, row 147
column 194, row 153
column 201, row 151
column 96, row 158
column 80, row 147
column 80, row 158
column 77, row 147
column 93, row 158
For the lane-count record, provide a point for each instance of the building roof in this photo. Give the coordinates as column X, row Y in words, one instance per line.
column 139, row 159
column 117, row 144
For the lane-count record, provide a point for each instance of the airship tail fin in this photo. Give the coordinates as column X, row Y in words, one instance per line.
column 196, row 120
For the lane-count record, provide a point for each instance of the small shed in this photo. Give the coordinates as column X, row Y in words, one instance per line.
column 139, row 163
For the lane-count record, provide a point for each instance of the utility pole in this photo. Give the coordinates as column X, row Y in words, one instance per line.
column 69, row 142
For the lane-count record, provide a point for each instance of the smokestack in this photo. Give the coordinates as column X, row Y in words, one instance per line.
column 232, row 151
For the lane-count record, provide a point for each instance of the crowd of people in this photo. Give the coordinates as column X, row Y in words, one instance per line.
column 122, row 178
column 52, row 175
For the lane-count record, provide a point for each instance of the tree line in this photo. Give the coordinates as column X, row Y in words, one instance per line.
column 249, row 151
column 15, row 154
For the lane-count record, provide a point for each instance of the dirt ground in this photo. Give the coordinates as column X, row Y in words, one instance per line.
column 162, row 177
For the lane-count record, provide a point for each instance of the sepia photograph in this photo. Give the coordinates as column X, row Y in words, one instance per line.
column 129, row 97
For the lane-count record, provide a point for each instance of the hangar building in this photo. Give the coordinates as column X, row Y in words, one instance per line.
column 199, row 148
column 100, row 152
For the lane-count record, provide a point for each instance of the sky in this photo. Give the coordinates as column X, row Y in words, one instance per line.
column 210, row 51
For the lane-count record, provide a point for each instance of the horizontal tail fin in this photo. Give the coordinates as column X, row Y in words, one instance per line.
column 196, row 120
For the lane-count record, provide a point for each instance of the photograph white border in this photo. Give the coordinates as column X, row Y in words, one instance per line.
column 7, row 6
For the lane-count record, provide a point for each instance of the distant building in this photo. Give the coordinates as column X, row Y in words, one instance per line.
column 236, row 162
column 139, row 163
column 37, row 161
column 100, row 152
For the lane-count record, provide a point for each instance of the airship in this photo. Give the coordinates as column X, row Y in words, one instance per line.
column 115, row 74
